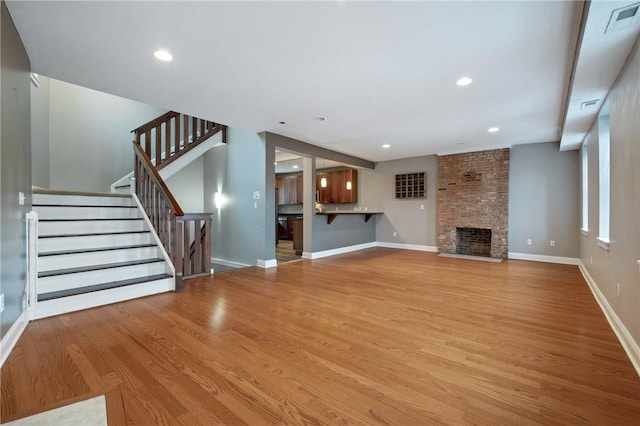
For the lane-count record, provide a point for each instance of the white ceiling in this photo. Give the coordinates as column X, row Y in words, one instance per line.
column 380, row 72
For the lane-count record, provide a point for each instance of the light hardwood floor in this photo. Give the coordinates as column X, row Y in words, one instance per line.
column 379, row 336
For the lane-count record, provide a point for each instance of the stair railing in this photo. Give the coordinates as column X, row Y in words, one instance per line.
column 168, row 137
column 172, row 226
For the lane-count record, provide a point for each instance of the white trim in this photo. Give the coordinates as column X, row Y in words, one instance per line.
column 544, row 258
column 32, row 259
column 11, row 338
column 336, row 251
column 229, row 263
column 603, row 243
column 120, row 182
column 585, row 232
column 407, row 246
column 271, row 263
column 629, row 345
column 166, row 256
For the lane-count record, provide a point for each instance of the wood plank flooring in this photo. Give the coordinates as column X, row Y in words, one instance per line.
column 379, row 336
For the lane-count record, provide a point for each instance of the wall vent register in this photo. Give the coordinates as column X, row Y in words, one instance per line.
column 411, row 185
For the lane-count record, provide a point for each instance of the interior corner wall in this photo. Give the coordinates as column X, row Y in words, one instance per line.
column 90, row 136
column 619, row 265
column 15, row 173
column 40, row 133
column 412, row 224
column 544, row 200
column 237, row 170
column 187, row 186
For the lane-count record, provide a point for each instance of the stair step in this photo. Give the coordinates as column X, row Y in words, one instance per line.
column 50, row 281
column 82, row 199
column 47, row 227
column 90, row 268
column 88, row 257
column 94, row 250
column 85, row 212
column 57, row 243
column 98, row 287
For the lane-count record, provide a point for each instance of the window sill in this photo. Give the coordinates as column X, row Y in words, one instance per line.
column 603, row 243
column 585, row 232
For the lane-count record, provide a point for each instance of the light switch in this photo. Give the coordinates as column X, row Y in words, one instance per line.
column 21, row 198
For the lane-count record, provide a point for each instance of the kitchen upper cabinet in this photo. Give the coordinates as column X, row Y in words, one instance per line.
column 289, row 188
column 341, row 186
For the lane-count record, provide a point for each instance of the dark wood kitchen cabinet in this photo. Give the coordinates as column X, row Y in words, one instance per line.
column 341, row 186
column 289, row 188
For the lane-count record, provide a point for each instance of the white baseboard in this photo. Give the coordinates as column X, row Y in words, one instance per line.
column 229, row 263
column 629, row 345
column 336, row 251
column 543, row 258
column 407, row 246
column 11, row 338
column 271, row 263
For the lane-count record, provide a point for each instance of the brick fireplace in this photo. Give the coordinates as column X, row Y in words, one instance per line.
column 473, row 191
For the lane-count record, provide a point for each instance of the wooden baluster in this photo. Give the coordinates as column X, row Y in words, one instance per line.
column 186, row 229
column 202, row 128
column 197, row 249
column 194, row 129
column 176, row 252
column 185, row 130
column 177, row 134
column 158, row 145
column 147, row 143
column 207, row 246
column 167, row 139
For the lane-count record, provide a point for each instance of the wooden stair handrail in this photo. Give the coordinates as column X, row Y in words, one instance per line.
column 153, row 123
column 155, row 176
column 174, row 134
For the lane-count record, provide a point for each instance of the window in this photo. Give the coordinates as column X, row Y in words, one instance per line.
column 604, row 184
column 585, row 186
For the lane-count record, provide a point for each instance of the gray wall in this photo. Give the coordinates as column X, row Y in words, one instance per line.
column 343, row 232
column 40, row 133
column 15, row 173
column 618, row 265
column 412, row 224
column 544, row 200
column 187, row 186
column 90, row 136
column 237, row 169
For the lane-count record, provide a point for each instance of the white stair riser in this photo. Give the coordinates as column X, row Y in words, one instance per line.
column 46, row 245
column 89, row 226
column 98, row 212
column 83, row 279
column 82, row 200
column 78, row 260
column 99, row 298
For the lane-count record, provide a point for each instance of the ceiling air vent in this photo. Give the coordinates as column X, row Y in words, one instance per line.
column 623, row 18
column 589, row 104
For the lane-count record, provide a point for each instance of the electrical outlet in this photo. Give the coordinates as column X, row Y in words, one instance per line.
column 395, row 234
column 21, row 198
column 256, row 195
column 1, row 302
column 421, row 206
column 552, row 243
column 529, row 241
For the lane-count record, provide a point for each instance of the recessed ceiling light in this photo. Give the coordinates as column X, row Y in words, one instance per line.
column 282, row 122
column 163, row 55
column 464, row 81
column 493, row 129
column 321, row 118
column 386, row 146
column 295, row 166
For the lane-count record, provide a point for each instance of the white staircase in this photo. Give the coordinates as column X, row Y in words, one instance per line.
column 92, row 250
